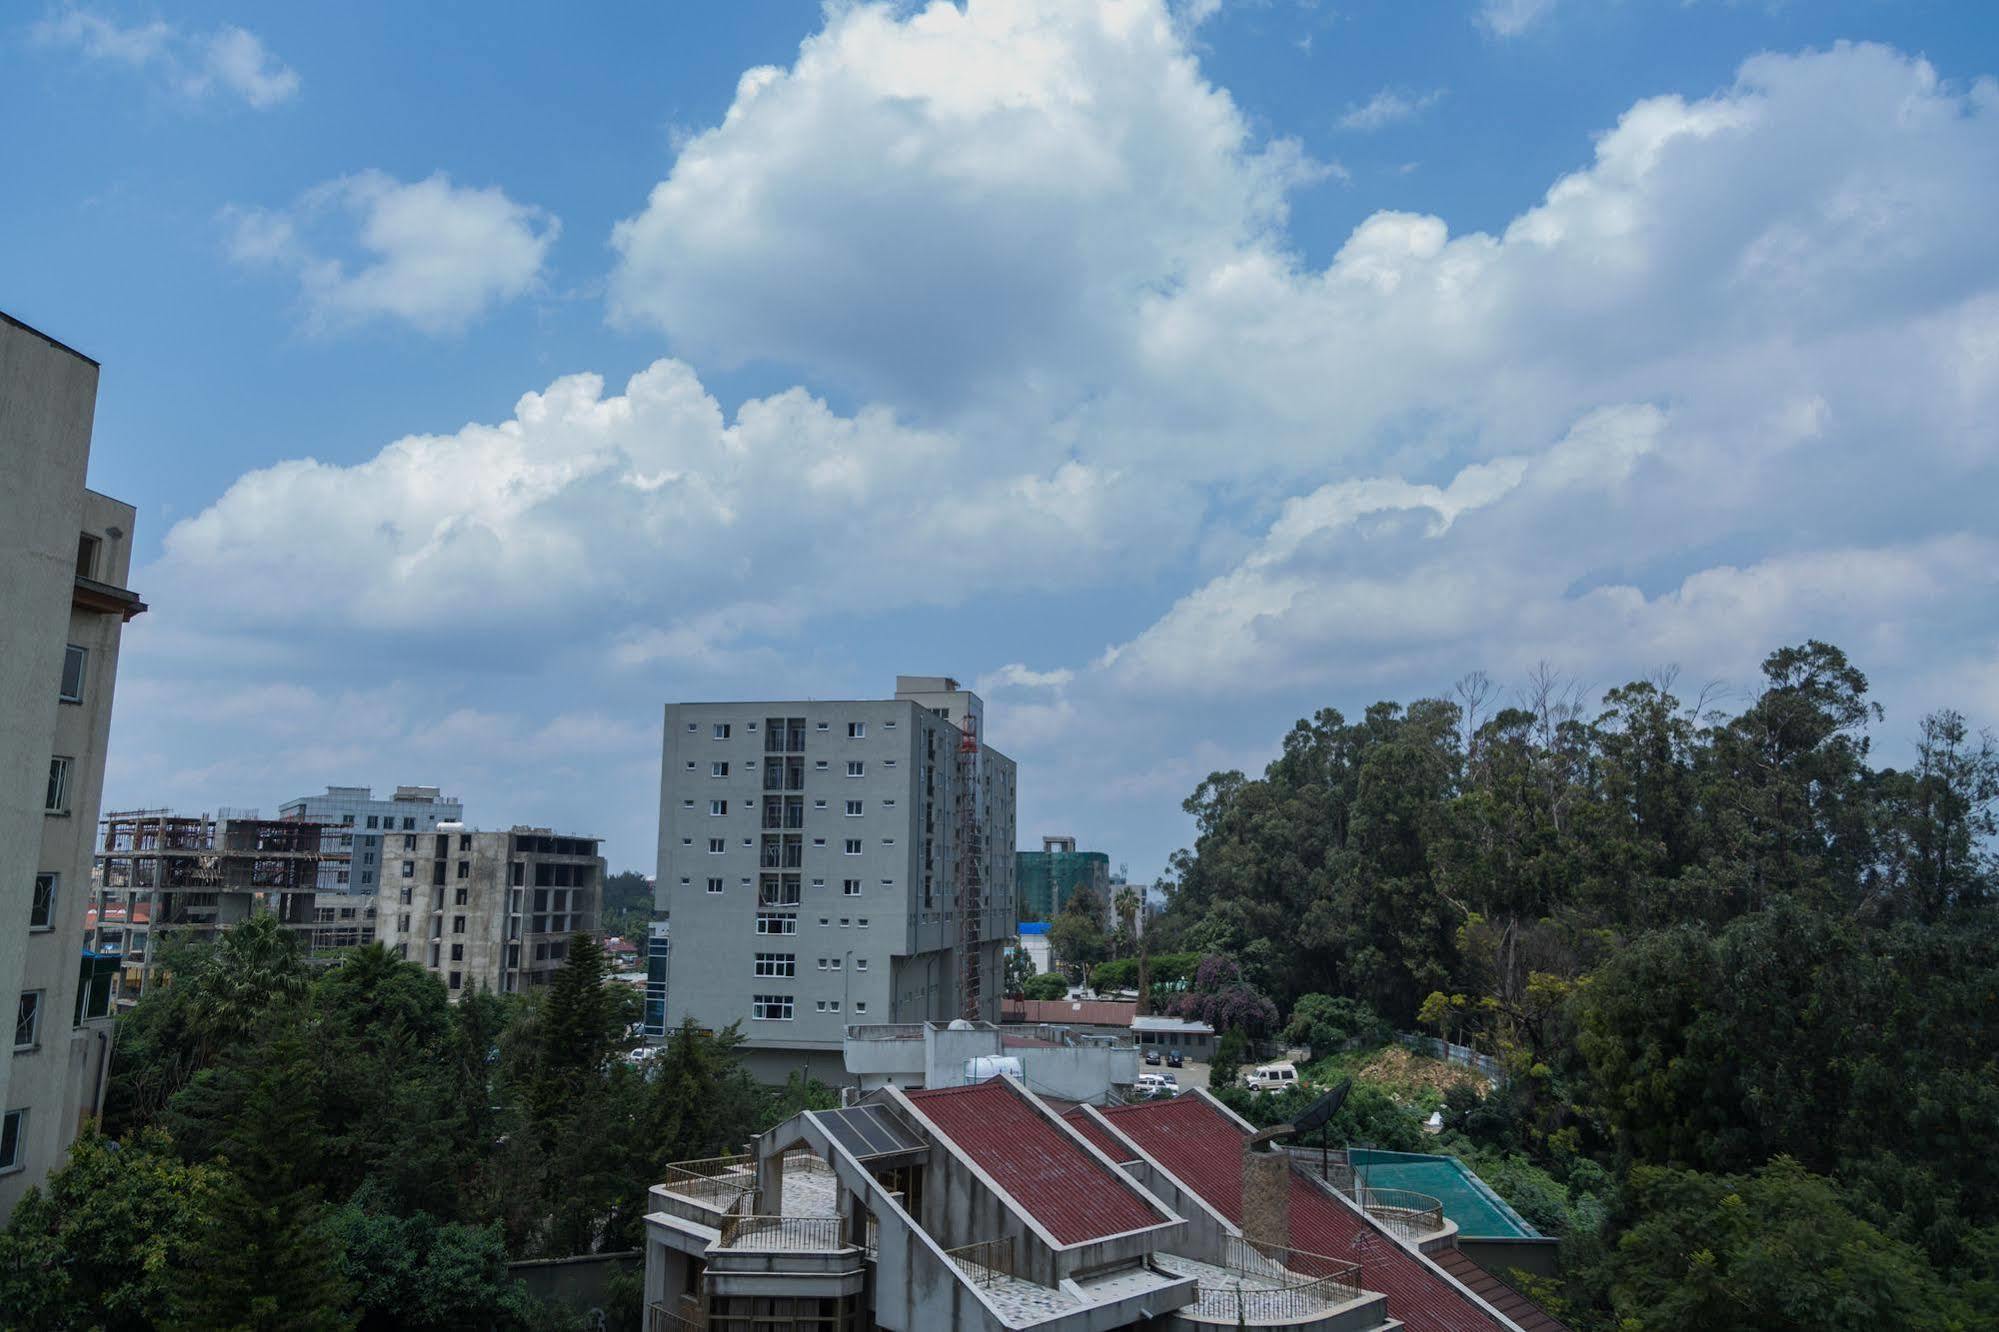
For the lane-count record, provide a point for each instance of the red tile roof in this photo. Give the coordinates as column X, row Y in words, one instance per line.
column 1202, row 1147
column 1074, row 1196
column 1108, row 1142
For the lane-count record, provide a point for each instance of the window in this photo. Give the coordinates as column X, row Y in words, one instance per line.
column 409, row 871
column 777, row 964
column 721, row 730
column 888, row 763
column 888, row 804
column 861, row 1005
column 818, row 883
column 860, row 964
column 28, row 1020
column 403, row 922
column 824, row 725
column 464, row 869
column 458, row 897
column 457, row 979
column 72, row 674
column 833, row 1005
column 822, row 1005
column 714, row 885
column 692, row 727
column 718, row 770
column 13, row 1139
column 458, row 924
column 86, row 555
column 818, row 841
column 888, row 841
column 42, row 909
column 853, row 809
column 409, row 822
column 834, row 964
column 856, row 730
column 406, row 894
column 777, row 922
column 717, row 807
column 717, row 845
column 853, row 846
column 862, row 922
column 687, row 804
column 856, row 768
column 374, row 820
column 687, row 841
column 771, row 1007
column 409, row 842
column 58, row 795
column 850, row 887
column 824, row 921
column 818, row 804
column 458, row 952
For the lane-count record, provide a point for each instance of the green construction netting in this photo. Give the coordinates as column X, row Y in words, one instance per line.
column 1468, row 1200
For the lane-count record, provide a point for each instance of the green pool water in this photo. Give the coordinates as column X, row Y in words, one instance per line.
column 1468, row 1200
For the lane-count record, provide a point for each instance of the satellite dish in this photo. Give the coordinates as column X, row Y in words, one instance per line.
column 1322, row 1109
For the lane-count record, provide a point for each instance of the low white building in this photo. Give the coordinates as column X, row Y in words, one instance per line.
column 1050, row 1060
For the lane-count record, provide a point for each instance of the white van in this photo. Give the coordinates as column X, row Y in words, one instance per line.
column 1150, row 1086
column 1271, row 1077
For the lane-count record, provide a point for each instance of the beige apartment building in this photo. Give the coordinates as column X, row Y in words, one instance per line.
column 65, row 554
column 492, row 909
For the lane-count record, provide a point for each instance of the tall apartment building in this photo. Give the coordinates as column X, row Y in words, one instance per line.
column 65, row 554
column 808, row 860
column 359, row 823
column 492, row 909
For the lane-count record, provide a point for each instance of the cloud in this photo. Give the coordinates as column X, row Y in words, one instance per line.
column 1728, row 383
column 951, row 205
column 1388, row 107
column 229, row 59
column 1510, row 18
column 428, row 253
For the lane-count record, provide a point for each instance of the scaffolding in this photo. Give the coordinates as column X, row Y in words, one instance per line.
column 195, row 875
column 971, row 875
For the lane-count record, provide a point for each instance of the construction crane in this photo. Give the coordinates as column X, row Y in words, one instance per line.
column 971, row 874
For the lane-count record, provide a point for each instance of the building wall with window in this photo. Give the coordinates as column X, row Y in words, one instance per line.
column 807, row 858
column 65, row 553
column 362, row 822
column 492, row 909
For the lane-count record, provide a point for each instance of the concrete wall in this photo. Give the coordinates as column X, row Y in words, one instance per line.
column 47, row 403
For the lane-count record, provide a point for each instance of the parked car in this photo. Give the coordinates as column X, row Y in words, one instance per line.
column 1150, row 1086
column 1151, row 1055
column 1271, row 1077
column 1174, row 1059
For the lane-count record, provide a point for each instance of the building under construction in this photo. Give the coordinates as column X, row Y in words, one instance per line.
column 163, row 873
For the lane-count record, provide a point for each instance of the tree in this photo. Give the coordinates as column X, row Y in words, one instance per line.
column 1047, row 985
column 628, row 905
column 263, row 1248
column 579, row 1030
column 1222, row 999
column 1077, row 935
column 418, row 1272
column 1019, row 970
column 1327, row 1025
column 107, row 1243
column 1776, row 1249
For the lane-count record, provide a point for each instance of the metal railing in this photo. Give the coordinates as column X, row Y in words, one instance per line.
column 986, row 1262
column 791, row 1234
column 1275, row 1283
column 1412, row 1214
column 716, row 1180
column 801, row 1160
column 688, row 1316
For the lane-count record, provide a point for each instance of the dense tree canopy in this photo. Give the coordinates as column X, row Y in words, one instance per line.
column 1701, row 942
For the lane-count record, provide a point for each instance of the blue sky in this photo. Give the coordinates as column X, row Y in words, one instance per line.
column 1173, row 372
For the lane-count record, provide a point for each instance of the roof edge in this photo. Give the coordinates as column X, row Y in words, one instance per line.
column 57, row 343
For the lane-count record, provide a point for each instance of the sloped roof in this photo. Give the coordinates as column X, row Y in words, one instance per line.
column 1497, row 1293
column 1108, row 1143
column 1074, row 1196
column 1202, row 1147
column 1085, row 1012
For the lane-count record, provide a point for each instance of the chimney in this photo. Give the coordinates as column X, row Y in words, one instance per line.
column 1266, row 1197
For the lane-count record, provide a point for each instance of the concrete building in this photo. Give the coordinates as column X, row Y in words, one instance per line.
column 809, row 861
column 987, row 1207
column 1048, row 878
column 492, row 909
column 192, row 875
column 358, row 822
column 1048, row 1060
column 65, row 555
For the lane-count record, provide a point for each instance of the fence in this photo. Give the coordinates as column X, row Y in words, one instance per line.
column 1266, row 1285
column 808, row 1234
column 1437, row 1048
column 1413, row 1214
column 985, row 1262
column 689, row 1316
column 717, row 1180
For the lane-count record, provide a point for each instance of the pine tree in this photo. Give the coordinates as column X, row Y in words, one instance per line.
column 577, row 1032
column 263, row 1258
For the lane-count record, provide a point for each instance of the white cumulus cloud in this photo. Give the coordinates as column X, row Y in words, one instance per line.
column 1388, row 107
column 429, row 253
column 229, row 59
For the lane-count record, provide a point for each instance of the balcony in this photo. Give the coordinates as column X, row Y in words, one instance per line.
column 1266, row 1285
column 784, row 1234
column 1414, row 1215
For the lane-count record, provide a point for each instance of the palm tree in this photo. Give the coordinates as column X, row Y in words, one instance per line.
column 1127, row 910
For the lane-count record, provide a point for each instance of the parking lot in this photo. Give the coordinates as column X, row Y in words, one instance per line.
column 1191, row 1074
